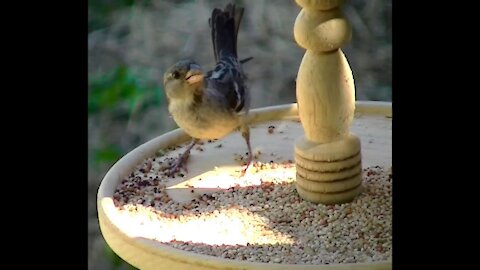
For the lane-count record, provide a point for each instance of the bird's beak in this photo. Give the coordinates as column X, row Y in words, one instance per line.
column 194, row 74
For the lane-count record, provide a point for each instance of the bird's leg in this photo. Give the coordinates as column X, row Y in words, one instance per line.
column 182, row 160
column 246, row 135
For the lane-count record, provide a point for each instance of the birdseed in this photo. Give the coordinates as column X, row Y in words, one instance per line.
column 267, row 223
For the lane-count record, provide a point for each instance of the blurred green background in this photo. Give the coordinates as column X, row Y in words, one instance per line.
column 131, row 43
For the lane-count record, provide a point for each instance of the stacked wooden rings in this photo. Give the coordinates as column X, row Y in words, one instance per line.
column 329, row 173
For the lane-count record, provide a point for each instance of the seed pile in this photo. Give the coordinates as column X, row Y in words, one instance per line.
column 267, row 222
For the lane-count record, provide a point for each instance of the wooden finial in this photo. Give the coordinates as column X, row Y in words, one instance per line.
column 328, row 157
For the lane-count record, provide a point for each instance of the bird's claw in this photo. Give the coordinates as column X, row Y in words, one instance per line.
column 180, row 163
column 249, row 162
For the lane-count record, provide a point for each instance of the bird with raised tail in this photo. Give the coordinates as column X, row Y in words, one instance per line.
column 211, row 105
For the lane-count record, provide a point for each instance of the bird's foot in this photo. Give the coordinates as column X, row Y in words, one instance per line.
column 182, row 160
column 180, row 163
column 249, row 163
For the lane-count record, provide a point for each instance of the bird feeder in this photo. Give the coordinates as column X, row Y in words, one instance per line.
column 328, row 156
column 317, row 141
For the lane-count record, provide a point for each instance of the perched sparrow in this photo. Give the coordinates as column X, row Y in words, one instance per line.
column 213, row 104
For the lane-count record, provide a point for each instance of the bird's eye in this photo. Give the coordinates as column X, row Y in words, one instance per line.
column 176, row 74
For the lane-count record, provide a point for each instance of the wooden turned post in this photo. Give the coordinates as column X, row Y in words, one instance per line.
column 327, row 157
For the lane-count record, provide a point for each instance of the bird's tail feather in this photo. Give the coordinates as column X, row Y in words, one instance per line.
column 224, row 25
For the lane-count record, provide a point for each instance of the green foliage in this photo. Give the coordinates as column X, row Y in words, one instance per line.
column 120, row 89
column 117, row 96
column 109, row 153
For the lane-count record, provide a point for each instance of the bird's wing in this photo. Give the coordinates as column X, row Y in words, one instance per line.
column 227, row 79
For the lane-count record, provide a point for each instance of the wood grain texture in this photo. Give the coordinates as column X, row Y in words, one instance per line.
column 326, row 100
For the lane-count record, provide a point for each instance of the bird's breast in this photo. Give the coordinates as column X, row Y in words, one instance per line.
column 204, row 122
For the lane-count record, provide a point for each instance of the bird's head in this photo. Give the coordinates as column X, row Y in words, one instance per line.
column 182, row 79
